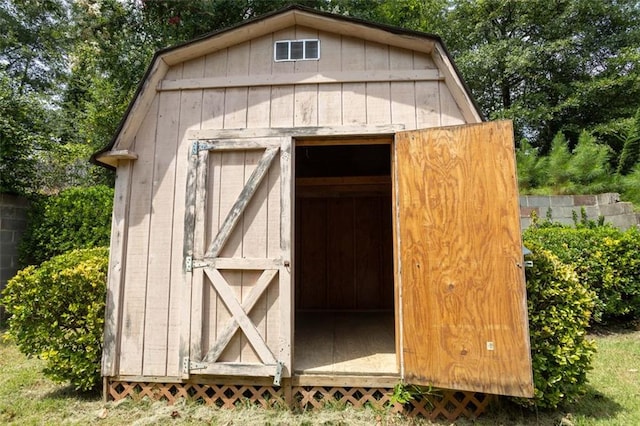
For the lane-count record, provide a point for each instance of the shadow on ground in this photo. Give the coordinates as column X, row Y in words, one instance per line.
column 68, row 392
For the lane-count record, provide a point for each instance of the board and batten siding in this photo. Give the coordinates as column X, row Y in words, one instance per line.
column 192, row 97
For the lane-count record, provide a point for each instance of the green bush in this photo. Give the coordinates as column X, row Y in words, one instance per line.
column 57, row 314
column 606, row 259
column 75, row 218
column 559, row 311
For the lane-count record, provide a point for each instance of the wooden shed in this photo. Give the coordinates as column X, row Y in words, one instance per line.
column 310, row 201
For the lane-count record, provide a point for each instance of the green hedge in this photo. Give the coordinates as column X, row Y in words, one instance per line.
column 57, row 314
column 75, row 218
column 606, row 259
column 559, row 308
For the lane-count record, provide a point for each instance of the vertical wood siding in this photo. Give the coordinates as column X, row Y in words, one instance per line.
column 153, row 275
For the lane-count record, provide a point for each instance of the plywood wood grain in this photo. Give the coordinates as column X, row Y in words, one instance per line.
column 464, row 318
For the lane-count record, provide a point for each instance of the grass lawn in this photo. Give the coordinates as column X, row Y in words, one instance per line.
column 26, row 397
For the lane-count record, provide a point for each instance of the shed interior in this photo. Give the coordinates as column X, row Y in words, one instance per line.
column 344, row 287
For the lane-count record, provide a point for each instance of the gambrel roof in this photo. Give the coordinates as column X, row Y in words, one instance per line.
column 294, row 15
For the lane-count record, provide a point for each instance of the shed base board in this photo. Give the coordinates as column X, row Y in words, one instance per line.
column 440, row 404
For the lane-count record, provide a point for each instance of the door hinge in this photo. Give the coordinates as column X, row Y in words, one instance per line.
column 278, row 375
column 188, row 365
column 190, row 264
column 198, row 146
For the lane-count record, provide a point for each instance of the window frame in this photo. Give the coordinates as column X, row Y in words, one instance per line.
column 304, row 50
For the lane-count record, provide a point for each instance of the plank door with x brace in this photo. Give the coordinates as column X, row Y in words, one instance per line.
column 462, row 289
column 238, row 252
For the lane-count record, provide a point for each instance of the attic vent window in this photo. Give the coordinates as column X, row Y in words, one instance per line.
column 296, row 50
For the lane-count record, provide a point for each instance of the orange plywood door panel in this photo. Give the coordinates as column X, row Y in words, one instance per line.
column 462, row 291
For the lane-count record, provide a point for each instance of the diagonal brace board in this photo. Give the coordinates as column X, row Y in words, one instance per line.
column 240, row 316
column 243, row 199
column 231, row 326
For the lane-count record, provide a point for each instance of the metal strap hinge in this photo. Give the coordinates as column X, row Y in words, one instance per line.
column 278, row 375
column 198, row 146
column 188, row 365
column 190, row 264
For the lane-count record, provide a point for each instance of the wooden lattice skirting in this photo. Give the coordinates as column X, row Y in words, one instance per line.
column 442, row 404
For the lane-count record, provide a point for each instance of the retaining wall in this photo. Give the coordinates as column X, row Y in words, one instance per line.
column 562, row 207
column 13, row 222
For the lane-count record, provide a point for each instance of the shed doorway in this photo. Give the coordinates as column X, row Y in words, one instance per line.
column 344, row 282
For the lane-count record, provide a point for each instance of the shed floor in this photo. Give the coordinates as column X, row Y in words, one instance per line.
column 345, row 343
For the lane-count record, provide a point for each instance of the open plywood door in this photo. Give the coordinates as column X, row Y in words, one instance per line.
column 463, row 317
column 238, row 252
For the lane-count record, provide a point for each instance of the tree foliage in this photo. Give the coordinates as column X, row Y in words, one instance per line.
column 20, row 136
column 34, row 43
column 41, row 152
column 630, row 138
column 75, row 218
column 550, row 65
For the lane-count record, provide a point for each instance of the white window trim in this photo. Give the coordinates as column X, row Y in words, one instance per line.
column 304, row 50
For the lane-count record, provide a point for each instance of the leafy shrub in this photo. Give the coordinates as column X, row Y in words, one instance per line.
column 75, row 218
column 606, row 259
column 559, row 310
column 57, row 314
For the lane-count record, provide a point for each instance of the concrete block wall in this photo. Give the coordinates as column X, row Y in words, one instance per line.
column 561, row 207
column 13, row 222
